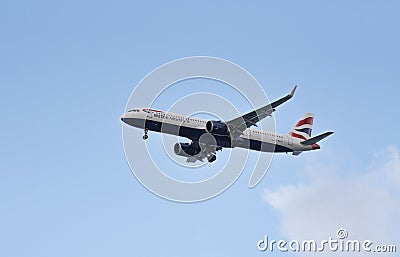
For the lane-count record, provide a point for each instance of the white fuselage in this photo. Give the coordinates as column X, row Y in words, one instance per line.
column 192, row 126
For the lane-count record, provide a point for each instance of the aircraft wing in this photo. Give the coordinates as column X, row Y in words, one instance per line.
column 240, row 124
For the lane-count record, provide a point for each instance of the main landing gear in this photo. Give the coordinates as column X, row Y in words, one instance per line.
column 145, row 136
column 212, row 158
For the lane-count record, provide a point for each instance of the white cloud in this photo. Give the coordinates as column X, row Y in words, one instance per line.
column 366, row 204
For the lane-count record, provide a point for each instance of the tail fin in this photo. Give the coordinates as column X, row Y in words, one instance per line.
column 303, row 127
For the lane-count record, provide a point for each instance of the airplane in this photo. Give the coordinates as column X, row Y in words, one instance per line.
column 209, row 136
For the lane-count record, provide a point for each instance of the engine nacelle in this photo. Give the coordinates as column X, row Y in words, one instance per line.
column 186, row 149
column 217, row 128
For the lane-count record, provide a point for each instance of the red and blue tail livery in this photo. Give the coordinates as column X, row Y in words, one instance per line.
column 303, row 127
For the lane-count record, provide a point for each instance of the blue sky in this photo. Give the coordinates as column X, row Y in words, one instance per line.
column 68, row 68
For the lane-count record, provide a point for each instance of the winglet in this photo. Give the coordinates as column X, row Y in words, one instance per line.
column 283, row 99
column 293, row 90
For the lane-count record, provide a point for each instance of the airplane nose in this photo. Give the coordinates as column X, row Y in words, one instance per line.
column 122, row 118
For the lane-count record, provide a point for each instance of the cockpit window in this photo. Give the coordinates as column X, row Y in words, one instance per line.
column 134, row 110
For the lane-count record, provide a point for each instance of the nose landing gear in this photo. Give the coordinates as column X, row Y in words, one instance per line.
column 145, row 136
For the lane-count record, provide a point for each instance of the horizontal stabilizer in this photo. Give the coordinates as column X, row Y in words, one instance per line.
column 316, row 139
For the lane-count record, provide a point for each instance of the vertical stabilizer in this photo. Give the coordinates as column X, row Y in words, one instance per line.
column 303, row 127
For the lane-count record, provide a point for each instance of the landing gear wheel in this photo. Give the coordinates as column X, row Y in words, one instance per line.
column 145, row 134
column 212, row 158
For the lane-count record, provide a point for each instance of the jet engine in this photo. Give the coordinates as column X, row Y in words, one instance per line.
column 186, row 149
column 217, row 128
